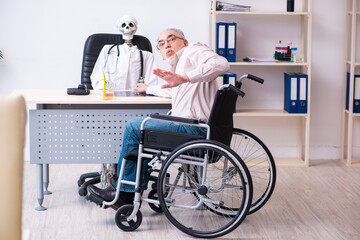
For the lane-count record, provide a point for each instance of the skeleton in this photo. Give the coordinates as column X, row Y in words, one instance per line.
column 127, row 25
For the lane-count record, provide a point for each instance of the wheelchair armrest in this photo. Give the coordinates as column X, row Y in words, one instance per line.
column 173, row 118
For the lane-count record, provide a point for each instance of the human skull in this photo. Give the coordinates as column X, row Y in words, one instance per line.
column 127, row 25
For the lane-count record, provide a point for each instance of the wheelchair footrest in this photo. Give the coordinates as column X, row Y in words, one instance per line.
column 95, row 199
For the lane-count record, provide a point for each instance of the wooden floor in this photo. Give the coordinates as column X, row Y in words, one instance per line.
column 317, row 202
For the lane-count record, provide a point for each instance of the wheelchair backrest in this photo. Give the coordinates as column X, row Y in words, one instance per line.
column 221, row 116
column 95, row 43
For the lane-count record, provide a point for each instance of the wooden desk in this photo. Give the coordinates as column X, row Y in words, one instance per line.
column 70, row 129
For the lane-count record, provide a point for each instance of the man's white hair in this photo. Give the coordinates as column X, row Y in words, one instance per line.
column 178, row 31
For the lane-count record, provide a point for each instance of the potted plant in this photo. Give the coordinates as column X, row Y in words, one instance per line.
column 1, row 54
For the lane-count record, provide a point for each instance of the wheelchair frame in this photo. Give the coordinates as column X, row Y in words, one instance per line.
column 130, row 212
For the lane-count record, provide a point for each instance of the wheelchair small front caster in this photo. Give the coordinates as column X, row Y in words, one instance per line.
column 121, row 218
column 153, row 194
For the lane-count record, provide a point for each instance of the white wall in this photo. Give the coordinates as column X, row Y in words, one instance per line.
column 42, row 42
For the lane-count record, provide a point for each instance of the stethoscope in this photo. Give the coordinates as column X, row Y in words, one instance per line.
column 141, row 78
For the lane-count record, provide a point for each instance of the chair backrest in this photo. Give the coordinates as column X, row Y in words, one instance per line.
column 12, row 140
column 221, row 115
column 93, row 46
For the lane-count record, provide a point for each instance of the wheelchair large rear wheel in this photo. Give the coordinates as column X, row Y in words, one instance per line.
column 205, row 176
column 260, row 163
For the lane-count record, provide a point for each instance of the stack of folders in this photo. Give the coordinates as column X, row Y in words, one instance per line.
column 223, row 6
column 226, row 40
column 356, row 102
column 295, row 92
column 227, row 78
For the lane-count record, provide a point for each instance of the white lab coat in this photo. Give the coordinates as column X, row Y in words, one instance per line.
column 123, row 72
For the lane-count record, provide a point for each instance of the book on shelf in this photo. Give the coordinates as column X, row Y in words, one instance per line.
column 224, row 6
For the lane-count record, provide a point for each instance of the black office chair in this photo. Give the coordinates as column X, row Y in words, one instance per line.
column 92, row 48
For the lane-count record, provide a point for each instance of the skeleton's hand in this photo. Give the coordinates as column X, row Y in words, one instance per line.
column 140, row 87
column 171, row 78
column 110, row 85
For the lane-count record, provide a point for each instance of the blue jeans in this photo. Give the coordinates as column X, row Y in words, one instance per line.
column 131, row 140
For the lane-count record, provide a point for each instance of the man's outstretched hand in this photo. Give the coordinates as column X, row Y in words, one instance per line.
column 171, row 78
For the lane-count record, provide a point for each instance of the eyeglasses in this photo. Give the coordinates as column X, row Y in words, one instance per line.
column 171, row 38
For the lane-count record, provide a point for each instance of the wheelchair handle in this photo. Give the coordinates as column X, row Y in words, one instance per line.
column 255, row 78
column 249, row 76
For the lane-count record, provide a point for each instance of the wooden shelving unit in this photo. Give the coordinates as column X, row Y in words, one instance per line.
column 305, row 28
column 350, row 64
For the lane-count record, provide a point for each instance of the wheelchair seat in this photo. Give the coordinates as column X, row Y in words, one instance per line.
column 220, row 123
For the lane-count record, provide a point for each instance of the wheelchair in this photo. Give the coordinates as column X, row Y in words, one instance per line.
column 205, row 186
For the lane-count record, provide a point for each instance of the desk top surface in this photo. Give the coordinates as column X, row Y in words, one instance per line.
column 51, row 96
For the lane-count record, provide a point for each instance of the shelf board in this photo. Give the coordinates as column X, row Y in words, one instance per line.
column 354, row 114
column 357, row 63
column 354, row 161
column 266, row 113
column 356, row 13
column 274, row 13
column 278, row 64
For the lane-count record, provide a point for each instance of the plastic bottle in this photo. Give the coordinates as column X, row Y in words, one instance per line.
column 288, row 51
column 290, row 5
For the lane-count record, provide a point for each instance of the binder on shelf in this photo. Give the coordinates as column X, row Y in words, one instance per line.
column 230, row 78
column 356, row 107
column 356, row 99
column 231, row 42
column 302, row 92
column 220, row 80
column 221, row 41
column 290, row 92
column 347, row 90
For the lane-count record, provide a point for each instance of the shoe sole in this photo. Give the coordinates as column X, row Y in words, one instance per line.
column 99, row 201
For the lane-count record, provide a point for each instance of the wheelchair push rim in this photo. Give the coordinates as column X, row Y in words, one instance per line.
column 205, row 175
column 260, row 163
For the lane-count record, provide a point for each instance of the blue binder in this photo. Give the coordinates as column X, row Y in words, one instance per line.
column 356, row 107
column 230, row 78
column 347, row 90
column 356, row 99
column 231, row 42
column 221, row 41
column 290, row 92
column 302, row 88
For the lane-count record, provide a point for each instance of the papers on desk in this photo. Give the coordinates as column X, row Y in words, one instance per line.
column 223, row 6
column 252, row 59
column 127, row 93
column 124, row 93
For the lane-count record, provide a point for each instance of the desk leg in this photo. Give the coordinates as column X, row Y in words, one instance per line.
column 40, row 189
column 46, row 179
